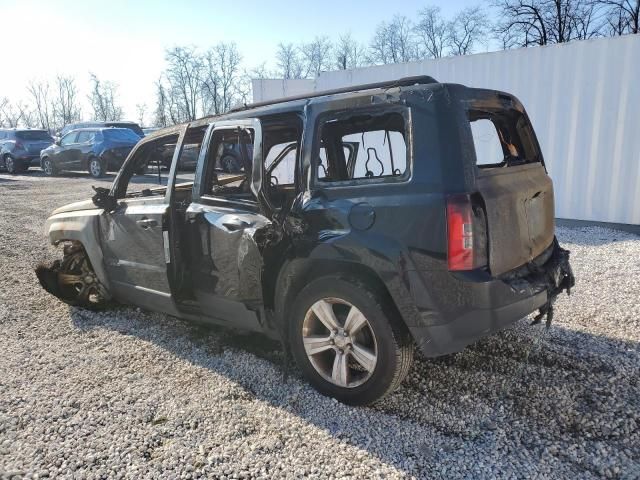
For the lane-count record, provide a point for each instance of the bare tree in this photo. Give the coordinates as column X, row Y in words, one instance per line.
column 433, row 32
column 245, row 87
column 394, row 42
column 4, row 101
column 161, row 113
column 141, row 110
column 27, row 117
column 11, row 114
column 467, row 29
column 39, row 91
column 316, row 56
column 540, row 22
column 349, row 53
column 221, row 76
column 288, row 61
column 184, row 74
column 103, row 100
column 622, row 16
column 66, row 107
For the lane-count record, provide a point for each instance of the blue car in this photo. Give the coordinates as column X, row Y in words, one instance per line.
column 19, row 147
column 96, row 150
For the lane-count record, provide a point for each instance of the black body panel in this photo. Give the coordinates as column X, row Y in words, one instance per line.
column 246, row 261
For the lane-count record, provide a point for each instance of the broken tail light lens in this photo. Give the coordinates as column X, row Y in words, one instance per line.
column 464, row 251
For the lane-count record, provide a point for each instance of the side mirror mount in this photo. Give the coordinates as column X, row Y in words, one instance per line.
column 103, row 199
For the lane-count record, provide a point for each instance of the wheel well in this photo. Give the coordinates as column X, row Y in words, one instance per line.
column 297, row 274
column 87, row 160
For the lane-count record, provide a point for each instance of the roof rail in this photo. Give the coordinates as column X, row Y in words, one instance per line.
column 402, row 82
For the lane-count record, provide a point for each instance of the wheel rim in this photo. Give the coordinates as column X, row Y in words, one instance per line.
column 8, row 163
column 95, row 168
column 78, row 281
column 48, row 169
column 339, row 342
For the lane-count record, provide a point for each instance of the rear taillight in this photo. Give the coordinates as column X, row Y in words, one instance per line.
column 466, row 234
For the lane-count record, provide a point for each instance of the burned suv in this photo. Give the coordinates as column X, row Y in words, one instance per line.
column 365, row 223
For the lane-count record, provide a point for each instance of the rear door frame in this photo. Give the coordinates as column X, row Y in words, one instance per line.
column 215, row 305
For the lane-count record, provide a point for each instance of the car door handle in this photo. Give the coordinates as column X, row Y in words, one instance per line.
column 147, row 223
column 235, row 225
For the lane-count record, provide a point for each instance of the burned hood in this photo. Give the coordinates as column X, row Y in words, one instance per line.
column 75, row 207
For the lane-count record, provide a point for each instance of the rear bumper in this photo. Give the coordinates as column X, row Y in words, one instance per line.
column 481, row 305
column 453, row 336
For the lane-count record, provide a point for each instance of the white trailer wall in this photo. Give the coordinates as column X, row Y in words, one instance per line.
column 583, row 99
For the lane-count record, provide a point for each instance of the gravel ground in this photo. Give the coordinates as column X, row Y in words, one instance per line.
column 126, row 393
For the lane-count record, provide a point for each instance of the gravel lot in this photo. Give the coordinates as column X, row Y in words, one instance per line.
column 126, row 393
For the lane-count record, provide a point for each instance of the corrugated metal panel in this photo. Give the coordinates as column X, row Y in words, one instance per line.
column 583, row 99
column 268, row 89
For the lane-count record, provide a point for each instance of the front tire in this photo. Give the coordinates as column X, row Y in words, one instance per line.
column 73, row 280
column 48, row 167
column 347, row 340
column 96, row 168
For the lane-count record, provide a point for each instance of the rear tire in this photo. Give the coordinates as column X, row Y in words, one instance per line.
column 96, row 168
column 367, row 352
column 10, row 164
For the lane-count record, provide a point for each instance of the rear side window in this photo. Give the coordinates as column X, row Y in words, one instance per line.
column 364, row 147
column 120, row 135
column 502, row 137
column 33, row 135
column 134, row 127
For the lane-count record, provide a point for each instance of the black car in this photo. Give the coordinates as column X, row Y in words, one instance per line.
column 365, row 222
column 121, row 124
column 95, row 150
column 19, row 147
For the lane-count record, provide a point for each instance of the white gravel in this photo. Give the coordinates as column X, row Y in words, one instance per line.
column 132, row 394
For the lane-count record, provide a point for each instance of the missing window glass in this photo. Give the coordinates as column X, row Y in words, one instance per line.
column 502, row 138
column 362, row 147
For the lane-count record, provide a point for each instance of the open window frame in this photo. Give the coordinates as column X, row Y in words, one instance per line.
column 204, row 169
column 341, row 115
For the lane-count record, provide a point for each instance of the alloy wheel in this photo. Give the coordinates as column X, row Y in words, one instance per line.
column 47, row 167
column 9, row 164
column 339, row 342
column 95, row 168
column 79, row 282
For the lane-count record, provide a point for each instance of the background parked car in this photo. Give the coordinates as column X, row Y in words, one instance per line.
column 18, row 147
column 230, row 163
column 95, row 150
column 75, row 126
column 149, row 130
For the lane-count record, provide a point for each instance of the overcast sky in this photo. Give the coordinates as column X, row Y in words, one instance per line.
column 125, row 41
